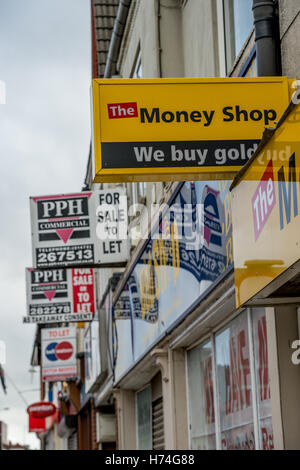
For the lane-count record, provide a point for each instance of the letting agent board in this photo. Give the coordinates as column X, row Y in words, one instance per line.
column 266, row 215
column 59, row 347
column 71, row 230
column 181, row 129
column 59, row 295
column 62, row 229
column 111, row 229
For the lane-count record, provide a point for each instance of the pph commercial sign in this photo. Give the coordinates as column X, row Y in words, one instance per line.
column 71, row 230
column 60, row 295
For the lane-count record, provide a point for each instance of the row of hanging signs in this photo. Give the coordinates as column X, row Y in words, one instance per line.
column 143, row 130
column 71, row 235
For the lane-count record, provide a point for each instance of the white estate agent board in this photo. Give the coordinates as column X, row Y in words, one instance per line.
column 59, row 349
column 67, row 229
column 59, row 295
column 111, row 231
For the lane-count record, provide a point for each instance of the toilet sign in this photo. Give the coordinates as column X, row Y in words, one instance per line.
column 79, row 230
column 181, row 129
column 111, row 229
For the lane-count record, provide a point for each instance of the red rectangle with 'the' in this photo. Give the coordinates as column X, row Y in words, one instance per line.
column 122, row 110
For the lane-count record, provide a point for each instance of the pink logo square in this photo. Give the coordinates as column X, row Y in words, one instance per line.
column 264, row 200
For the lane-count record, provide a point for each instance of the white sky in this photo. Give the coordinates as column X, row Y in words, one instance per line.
column 44, row 142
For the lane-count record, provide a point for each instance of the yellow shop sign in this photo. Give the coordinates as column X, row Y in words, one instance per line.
column 266, row 210
column 181, row 129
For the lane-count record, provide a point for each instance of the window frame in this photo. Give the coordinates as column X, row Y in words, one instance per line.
column 212, row 338
column 148, row 386
column 224, row 40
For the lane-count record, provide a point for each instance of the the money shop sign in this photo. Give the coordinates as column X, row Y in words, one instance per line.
column 184, row 129
column 266, row 213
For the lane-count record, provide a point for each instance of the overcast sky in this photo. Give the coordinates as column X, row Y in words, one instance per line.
column 44, row 141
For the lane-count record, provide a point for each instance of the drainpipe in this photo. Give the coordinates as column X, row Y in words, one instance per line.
column 158, row 9
column 267, row 38
column 116, row 38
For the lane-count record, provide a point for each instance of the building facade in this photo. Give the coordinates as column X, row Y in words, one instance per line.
column 189, row 369
column 170, row 362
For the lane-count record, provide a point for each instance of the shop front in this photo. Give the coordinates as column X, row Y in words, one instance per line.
column 229, row 388
column 194, row 368
column 181, row 286
column 266, row 235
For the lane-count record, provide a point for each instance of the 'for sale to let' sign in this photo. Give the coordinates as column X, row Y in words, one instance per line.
column 65, row 229
column 83, row 290
column 59, row 295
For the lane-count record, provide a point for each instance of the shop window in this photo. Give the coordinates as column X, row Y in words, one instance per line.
column 234, row 386
column 229, row 389
column 201, row 398
column 150, row 416
column 144, row 419
column 238, row 24
column 262, row 379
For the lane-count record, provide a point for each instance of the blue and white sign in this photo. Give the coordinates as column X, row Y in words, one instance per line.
column 59, row 347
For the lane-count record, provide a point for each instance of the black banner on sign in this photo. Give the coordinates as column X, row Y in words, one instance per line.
column 59, row 208
column 195, row 154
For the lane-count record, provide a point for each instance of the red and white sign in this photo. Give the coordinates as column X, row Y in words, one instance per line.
column 83, row 291
column 122, row 110
column 41, row 409
column 60, row 295
column 37, row 425
column 58, row 354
